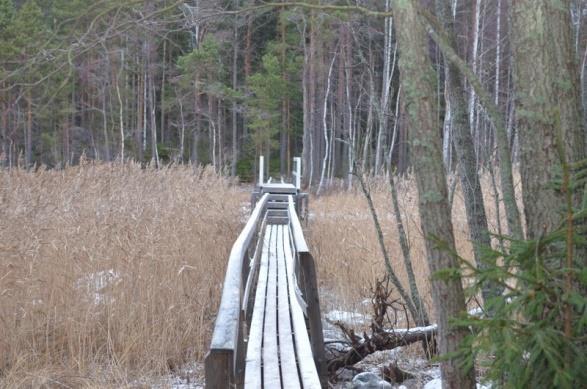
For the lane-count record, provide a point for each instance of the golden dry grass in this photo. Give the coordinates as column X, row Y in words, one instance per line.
column 108, row 273
column 343, row 238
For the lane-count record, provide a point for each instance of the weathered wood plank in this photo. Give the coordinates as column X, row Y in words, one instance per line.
column 226, row 326
column 254, row 350
column 271, row 373
column 279, row 189
column 308, row 371
column 279, row 197
column 277, row 205
column 289, row 370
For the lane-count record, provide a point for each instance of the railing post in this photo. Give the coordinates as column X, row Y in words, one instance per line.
column 298, row 172
column 310, row 288
column 261, row 170
column 219, row 368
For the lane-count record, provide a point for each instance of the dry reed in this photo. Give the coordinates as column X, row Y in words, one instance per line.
column 343, row 238
column 109, row 273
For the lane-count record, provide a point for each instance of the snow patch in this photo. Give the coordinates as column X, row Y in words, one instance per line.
column 96, row 283
column 348, row 318
column 437, row 384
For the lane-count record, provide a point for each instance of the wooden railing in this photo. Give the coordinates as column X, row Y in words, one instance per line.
column 224, row 364
column 307, row 280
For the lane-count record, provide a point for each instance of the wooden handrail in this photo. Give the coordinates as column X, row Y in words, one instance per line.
column 220, row 361
column 309, row 289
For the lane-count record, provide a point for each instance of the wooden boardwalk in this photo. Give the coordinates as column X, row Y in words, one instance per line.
column 268, row 331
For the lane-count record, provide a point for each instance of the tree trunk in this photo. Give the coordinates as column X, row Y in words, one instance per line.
column 421, row 314
column 418, row 83
column 235, row 46
column 28, row 151
column 465, row 149
column 548, row 109
column 507, row 182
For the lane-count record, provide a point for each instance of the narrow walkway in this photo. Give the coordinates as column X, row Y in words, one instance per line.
column 279, row 354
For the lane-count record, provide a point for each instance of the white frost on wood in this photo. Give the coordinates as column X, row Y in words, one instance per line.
column 404, row 331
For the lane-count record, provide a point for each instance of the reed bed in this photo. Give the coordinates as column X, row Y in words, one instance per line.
column 109, row 272
column 343, row 238
column 112, row 274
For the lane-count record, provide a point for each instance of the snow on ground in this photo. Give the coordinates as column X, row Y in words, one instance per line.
column 96, row 283
column 190, row 376
column 410, row 359
column 437, row 384
column 348, row 318
column 403, row 331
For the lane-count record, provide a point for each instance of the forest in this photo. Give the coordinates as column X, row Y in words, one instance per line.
column 479, row 105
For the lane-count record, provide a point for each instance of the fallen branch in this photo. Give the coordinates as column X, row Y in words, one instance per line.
column 381, row 338
column 360, row 347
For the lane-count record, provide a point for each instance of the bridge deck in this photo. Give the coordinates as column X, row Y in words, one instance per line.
column 268, row 331
column 279, row 353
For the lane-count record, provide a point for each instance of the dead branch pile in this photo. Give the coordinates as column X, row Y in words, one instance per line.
column 382, row 336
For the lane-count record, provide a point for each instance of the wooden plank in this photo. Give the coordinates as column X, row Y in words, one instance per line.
column 278, row 220
column 308, row 371
column 278, row 213
column 253, row 360
column 279, row 197
column 276, row 205
column 279, row 188
column 271, row 374
column 289, row 370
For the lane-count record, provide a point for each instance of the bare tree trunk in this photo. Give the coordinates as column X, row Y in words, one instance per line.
column 162, row 93
column 28, row 151
column 548, row 110
column 197, row 122
column 154, row 150
column 418, row 82
column 465, row 149
column 417, row 314
column 506, row 176
column 234, row 87
column 120, row 107
column 325, row 126
column 388, row 70
column 421, row 317
column 283, row 144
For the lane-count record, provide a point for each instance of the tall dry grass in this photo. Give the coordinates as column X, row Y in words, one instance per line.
column 109, row 272
column 345, row 245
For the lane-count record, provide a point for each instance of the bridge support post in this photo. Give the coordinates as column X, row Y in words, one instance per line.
column 310, row 286
column 219, row 368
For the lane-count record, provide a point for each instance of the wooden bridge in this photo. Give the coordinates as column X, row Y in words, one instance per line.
column 268, row 331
